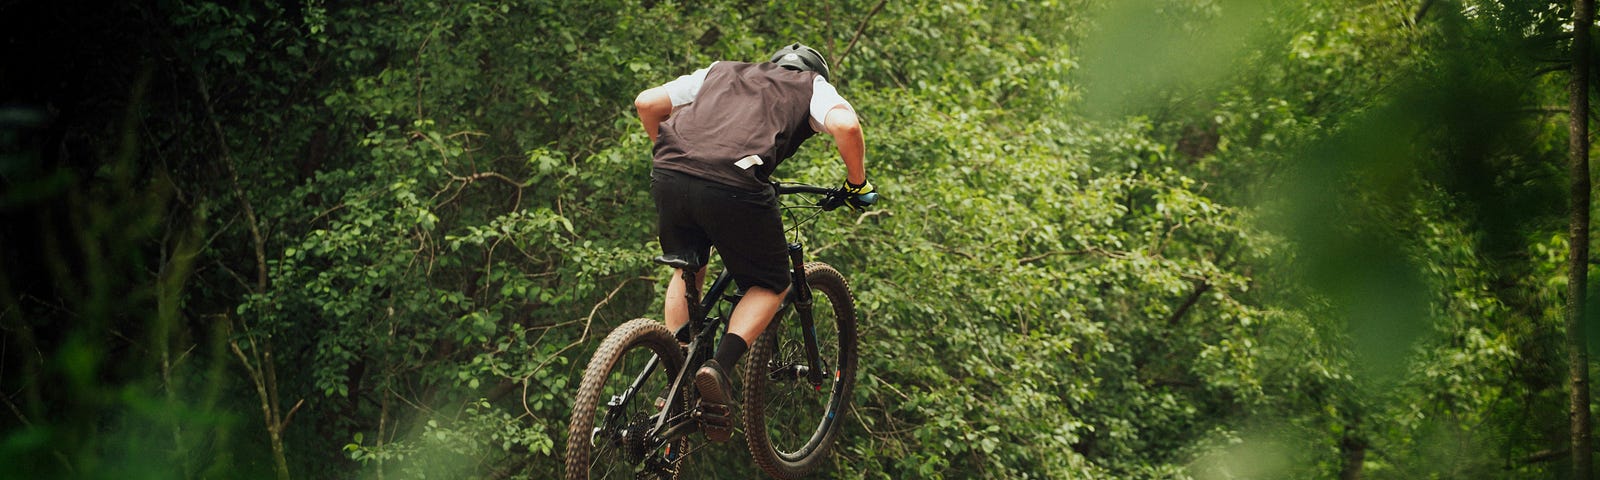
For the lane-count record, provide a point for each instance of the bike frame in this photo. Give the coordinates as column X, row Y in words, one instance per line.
column 701, row 332
column 652, row 442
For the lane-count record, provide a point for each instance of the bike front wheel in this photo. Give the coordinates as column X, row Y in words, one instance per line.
column 618, row 402
column 790, row 425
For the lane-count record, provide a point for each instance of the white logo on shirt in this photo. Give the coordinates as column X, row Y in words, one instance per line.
column 747, row 162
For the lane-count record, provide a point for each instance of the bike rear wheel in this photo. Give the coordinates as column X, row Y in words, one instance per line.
column 789, row 425
column 605, row 437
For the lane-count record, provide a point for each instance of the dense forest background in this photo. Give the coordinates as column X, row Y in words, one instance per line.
column 1121, row 239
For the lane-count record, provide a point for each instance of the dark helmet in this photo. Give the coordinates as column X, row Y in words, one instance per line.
column 800, row 57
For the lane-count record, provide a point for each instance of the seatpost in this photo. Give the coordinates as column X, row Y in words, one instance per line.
column 691, row 293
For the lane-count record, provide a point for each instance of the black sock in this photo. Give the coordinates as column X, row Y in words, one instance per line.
column 729, row 350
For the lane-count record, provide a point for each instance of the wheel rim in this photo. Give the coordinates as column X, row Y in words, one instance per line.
column 619, row 448
column 799, row 415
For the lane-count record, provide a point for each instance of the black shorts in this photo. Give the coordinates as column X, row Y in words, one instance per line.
column 694, row 214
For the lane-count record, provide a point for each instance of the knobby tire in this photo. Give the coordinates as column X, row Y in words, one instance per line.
column 789, row 426
column 614, row 366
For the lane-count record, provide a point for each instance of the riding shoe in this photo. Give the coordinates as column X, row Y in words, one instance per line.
column 716, row 393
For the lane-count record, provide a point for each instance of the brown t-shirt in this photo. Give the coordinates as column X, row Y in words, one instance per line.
column 742, row 110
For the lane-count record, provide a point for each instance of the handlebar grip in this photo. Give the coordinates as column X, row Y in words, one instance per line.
column 868, row 198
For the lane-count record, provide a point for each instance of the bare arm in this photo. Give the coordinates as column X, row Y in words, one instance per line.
column 654, row 106
column 845, row 128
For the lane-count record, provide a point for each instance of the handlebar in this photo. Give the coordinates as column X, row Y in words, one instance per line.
column 834, row 197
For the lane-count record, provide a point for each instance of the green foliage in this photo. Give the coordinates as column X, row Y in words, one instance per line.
column 1142, row 239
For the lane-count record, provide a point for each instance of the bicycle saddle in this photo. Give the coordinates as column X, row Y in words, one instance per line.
column 686, row 261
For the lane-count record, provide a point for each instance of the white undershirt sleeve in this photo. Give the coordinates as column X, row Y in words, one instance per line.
column 684, row 89
column 823, row 98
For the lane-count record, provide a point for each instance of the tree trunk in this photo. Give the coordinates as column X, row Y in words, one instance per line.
column 1353, row 450
column 1577, row 262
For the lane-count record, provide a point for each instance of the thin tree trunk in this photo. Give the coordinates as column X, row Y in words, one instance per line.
column 1353, row 445
column 1354, row 452
column 1578, row 261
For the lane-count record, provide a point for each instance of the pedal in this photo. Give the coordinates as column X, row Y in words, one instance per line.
column 716, row 420
column 714, row 414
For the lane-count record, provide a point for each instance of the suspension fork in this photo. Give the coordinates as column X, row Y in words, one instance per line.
column 802, row 307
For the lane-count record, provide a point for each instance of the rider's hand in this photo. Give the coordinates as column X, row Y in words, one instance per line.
column 858, row 190
column 858, row 197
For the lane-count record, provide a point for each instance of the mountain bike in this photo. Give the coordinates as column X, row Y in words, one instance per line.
column 637, row 406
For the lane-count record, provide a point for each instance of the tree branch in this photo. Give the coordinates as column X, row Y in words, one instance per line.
column 1563, row 67
column 948, row 249
column 1042, row 256
column 587, row 322
column 1095, row 250
column 859, row 29
column 233, row 178
column 864, row 216
column 1548, row 455
column 483, row 175
column 1201, row 287
column 1545, row 455
column 15, row 410
column 1544, row 110
column 1421, row 12
column 284, row 425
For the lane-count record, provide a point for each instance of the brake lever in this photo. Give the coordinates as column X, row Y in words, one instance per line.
column 839, row 197
column 834, row 199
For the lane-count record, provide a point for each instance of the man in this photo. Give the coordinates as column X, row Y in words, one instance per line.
column 719, row 133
